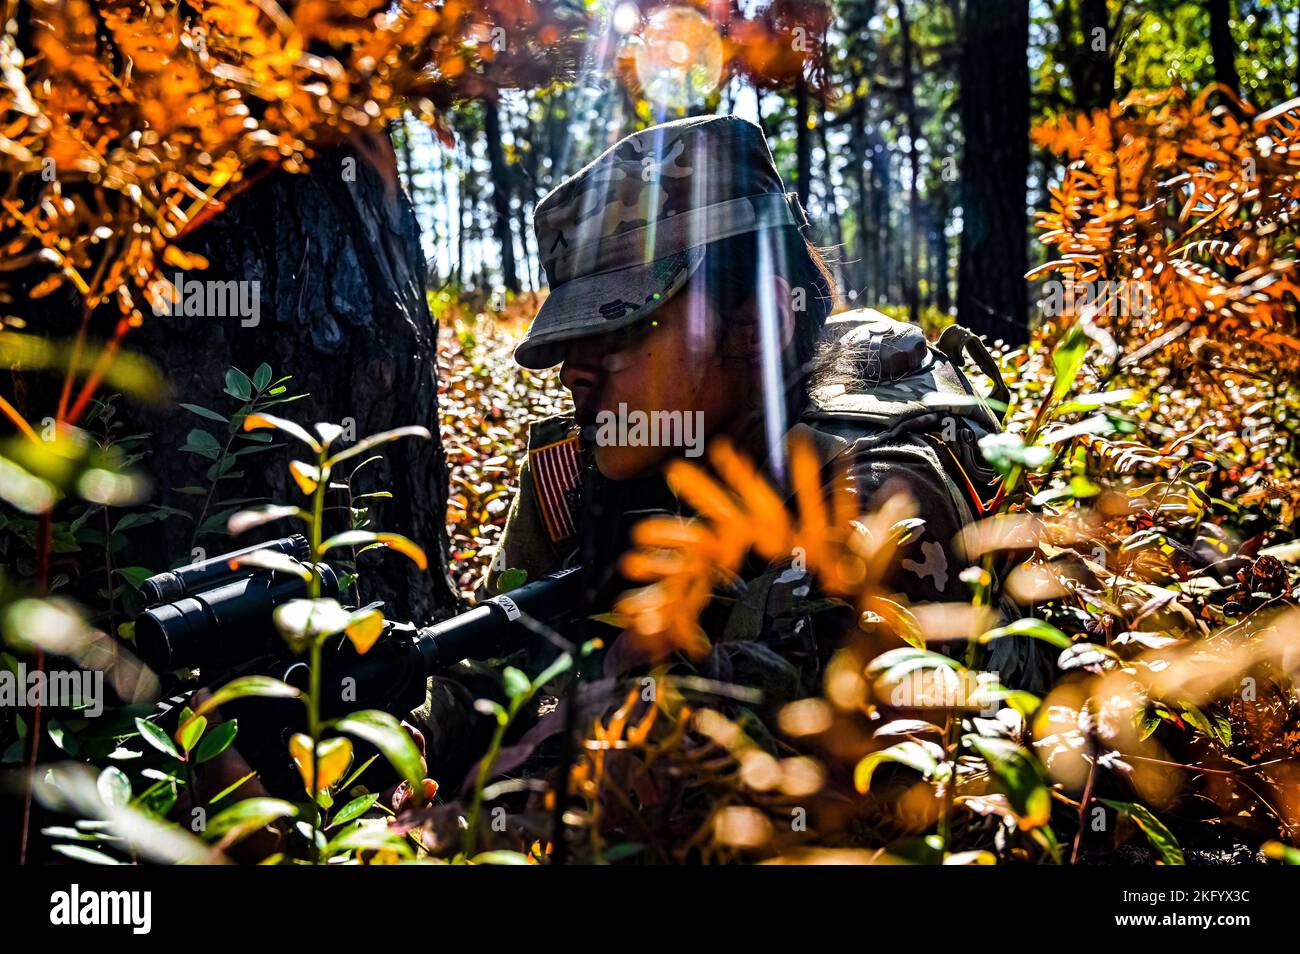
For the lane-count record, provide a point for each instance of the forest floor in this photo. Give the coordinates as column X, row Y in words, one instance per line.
column 485, row 404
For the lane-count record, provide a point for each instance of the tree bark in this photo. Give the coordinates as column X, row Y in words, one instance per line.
column 864, row 279
column 1222, row 44
column 992, row 295
column 942, row 263
column 803, row 146
column 836, row 226
column 1097, row 75
column 500, row 195
column 913, row 290
column 882, row 202
column 343, row 309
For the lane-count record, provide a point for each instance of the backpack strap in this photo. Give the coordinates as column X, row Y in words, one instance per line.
column 956, row 343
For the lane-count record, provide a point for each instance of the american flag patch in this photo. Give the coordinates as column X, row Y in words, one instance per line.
column 557, row 469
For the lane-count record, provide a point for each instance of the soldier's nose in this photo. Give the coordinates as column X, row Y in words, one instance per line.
column 582, row 367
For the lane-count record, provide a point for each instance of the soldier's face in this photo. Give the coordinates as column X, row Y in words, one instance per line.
column 658, row 392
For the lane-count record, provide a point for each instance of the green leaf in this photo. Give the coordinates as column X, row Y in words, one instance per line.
column 230, row 788
column 262, row 376
column 200, row 442
column 353, row 810
column 1090, row 402
column 206, row 413
column 135, row 575
column 375, row 440
column 362, row 835
column 511, row 579
column 89, row 855
column 263, row 686
column 1021, row 776
column 114, row 787
column 159, row 739
column 899, row 662
column 1197, row 718
column 216, row 741
column 1160, row 837
column 1037, row 628
column 239, row 385
column 356, row 773
column 499, row 858
column 922, row 755
column 385, row 733
column 1150, row 722
column 516, row 683
column 626, row 849
column 245, row 817
column 561, row 665
column 1067, row 359
column 190, row 732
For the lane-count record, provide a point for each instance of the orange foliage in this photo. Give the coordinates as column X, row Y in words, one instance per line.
column 124, row 124
column 1196, row 201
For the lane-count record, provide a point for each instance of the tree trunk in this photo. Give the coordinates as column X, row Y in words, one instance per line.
column 343, row 310
column 500, row 195
column 1097, row 56
column 882, row 202
column 803, row 147
column 913, row 290
column 992, row 295
column 865, row 280
column 942, row 263
column 462, row 211
column 1222, row 45
column 832, row 212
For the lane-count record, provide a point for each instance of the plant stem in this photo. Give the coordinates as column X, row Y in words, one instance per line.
column 216, row 478
column 34, row 731
column 485, row 770
column 313, row 699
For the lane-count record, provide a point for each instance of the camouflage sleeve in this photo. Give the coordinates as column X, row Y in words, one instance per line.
column 780, row 632
column 925, row 568
column 455, row 733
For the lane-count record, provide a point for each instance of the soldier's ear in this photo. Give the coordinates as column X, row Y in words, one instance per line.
column 770, row 302
column 782, row 297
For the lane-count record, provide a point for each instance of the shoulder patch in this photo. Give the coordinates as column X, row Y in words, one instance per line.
column 557, row 472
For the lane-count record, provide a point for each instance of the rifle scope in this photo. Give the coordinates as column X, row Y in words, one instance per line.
column 187, row 580
column 229, row 620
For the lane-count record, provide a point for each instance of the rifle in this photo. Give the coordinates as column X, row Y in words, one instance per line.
column 216, row 616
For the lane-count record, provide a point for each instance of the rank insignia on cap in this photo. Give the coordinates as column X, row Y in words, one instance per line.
column 557, row 472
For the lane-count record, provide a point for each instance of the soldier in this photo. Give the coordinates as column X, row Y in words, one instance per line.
column 685, row 298
column 685, row 304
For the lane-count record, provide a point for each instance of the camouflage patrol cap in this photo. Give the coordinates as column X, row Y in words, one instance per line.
column 626, row 232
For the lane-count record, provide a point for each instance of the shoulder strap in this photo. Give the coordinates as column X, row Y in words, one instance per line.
column 956, row 343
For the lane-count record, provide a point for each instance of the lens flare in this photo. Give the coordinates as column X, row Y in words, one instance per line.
column 679, row 58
